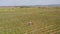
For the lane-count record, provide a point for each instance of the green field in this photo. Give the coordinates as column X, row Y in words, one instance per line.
column 16, row 20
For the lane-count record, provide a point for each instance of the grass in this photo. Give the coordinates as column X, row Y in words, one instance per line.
column 16, row 20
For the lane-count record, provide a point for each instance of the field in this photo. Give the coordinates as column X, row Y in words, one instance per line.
column 17, row 20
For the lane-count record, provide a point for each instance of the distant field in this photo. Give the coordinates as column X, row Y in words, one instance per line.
column 16, row 20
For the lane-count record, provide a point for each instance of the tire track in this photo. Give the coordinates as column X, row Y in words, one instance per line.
column 50, row 31
column 46, row 28
column 42, row 29
column 55, row 32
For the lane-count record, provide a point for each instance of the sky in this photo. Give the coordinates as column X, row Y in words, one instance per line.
column 27, row 2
